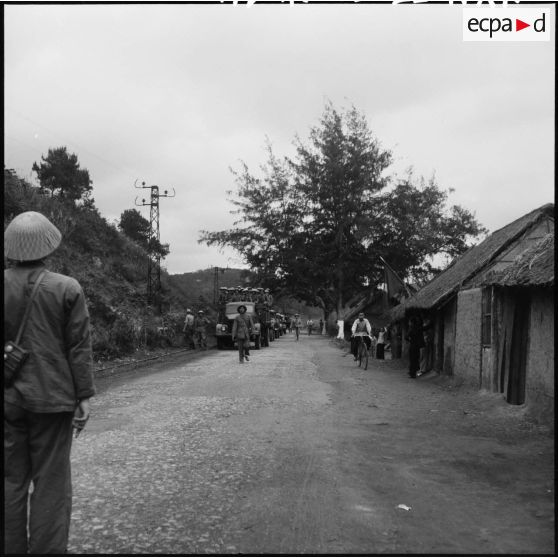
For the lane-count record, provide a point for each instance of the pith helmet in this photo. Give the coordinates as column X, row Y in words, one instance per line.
column 30, row 236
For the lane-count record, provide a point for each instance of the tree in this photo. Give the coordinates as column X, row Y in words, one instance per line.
column 137, row 228
column 60, row 173
column 315, row 225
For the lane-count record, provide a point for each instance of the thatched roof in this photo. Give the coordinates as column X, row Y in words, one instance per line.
column 533, row 268
column 473, row 261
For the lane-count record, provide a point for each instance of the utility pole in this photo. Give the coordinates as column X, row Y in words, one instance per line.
column 154, row 256
column 216, row 271
column 215, row 285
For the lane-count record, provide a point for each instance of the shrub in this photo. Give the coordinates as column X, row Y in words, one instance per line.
column 123, row 336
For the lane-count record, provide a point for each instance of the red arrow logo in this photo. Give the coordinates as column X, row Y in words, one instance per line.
column 519, row 25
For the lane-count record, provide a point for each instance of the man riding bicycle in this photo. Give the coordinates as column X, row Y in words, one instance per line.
column 361, row 328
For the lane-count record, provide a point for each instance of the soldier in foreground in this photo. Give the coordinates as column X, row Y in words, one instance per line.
column 49, row 391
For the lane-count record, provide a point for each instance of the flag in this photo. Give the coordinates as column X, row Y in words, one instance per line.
column 395, row 286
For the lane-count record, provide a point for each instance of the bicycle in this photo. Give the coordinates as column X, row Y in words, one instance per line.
column 362, row 352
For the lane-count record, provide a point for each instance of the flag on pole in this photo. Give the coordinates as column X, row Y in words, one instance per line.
column 395, row 286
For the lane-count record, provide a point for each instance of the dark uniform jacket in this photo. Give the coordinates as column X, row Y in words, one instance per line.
column 242, row 325
column 58, row 371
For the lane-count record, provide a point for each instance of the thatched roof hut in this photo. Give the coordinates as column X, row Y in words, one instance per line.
column 533, row 268
column 464, row 269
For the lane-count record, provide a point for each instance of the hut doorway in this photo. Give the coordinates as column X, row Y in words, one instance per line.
column 514, row 344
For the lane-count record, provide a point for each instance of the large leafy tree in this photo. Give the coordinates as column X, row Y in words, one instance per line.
column 315, row 225
column 137, row 228
column 60, row 173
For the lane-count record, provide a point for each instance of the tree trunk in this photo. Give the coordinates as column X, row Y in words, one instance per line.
column 340, row 274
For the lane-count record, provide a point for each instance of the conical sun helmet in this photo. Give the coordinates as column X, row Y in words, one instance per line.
column 30, row 236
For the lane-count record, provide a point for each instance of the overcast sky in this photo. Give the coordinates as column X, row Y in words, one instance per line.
column 174, row 95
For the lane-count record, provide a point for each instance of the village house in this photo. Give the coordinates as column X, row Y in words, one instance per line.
column 492, row 312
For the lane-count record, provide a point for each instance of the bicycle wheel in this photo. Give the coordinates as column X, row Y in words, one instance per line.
column 359, row 353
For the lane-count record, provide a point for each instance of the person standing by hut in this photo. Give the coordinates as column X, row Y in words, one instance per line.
column 416, row 343
column 426, row 353
column 380, row 345
column 242, row 327
column 48, row 394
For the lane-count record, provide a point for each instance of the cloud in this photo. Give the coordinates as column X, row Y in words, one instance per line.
column 176, row 94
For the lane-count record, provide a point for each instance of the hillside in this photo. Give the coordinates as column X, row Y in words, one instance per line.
column 112, row 270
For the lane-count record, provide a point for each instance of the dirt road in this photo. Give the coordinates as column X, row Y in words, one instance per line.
column 301, row 452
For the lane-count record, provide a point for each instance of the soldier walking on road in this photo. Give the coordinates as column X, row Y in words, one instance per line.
column 47, row 395
column 241, row 330
column 189, row 329
column 200, row 330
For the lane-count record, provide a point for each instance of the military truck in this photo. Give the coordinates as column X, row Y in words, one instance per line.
column 223, row 330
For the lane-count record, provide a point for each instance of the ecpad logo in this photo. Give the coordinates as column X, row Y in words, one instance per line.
column 506, row 24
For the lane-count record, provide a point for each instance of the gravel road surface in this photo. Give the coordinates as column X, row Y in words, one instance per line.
column 299, row 451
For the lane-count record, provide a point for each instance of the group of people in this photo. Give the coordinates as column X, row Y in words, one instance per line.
column 248, row 294
column 195, row 329
column 48, row 379
column 420, row 340
column 296, row 322
column 419, row 337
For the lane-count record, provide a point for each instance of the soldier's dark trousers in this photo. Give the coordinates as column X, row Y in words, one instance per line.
column 243, row 349
column 414, row 361
column 37, row 448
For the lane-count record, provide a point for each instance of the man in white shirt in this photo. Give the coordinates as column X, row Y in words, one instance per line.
column 361, row 327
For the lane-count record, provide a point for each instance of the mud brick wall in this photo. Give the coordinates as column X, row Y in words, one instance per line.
column 540, row 358
column 468, row 336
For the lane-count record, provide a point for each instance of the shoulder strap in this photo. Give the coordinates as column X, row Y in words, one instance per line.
column 28, row 308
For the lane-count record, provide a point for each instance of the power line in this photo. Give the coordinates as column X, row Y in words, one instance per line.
column 58, row 137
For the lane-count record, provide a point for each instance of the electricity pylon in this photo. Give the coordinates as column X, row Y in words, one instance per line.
column 153, row 244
